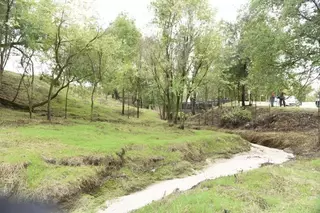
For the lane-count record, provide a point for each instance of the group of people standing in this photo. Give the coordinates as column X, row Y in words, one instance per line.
column 281, row 98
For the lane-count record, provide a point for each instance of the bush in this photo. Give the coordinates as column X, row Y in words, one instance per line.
column 236, row 117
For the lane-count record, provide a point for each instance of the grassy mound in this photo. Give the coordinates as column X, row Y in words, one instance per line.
column 291, row 188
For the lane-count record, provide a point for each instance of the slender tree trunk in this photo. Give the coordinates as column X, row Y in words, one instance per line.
column 319, row 123
column 66, row 103
column 238, row 93
column 19, row 87
column 138, row 105
column 219, row 98
column 1, row 75
column 193, row 103
column 92, row 100
column 49, row 98
column 168, row 109
column 164, row 114
column 123, row 102
column 138, row 109
column 177, row 110
column 31, row 95
column 205, row 108
column 128, row 110
column 243, row 94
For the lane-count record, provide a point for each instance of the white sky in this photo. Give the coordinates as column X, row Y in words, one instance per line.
column 140, row 11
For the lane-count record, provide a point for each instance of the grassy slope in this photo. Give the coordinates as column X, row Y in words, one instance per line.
column 291, row 188
column 154, row 151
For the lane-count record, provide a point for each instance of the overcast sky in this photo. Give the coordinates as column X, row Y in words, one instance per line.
column 140, row 11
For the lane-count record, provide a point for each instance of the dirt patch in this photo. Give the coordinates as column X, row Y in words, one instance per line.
column 300, row 143
column 83, row 161
column 284, row 121
column 262, row 120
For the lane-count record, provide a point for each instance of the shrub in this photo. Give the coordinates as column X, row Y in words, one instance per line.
column 236, row 117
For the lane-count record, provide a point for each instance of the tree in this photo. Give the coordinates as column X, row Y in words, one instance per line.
column 65, row 42
column 282, row 40
column 102, row 60
column 11, row 33
column 28, row 80
column 179, row 49
column 125, row 31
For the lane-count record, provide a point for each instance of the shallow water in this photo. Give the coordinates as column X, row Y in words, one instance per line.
column 241, row 162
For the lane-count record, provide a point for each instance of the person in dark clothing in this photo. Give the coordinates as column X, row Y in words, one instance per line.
column 282, row 99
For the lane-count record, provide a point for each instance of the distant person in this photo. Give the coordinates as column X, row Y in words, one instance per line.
column 272, row 99
column 282, row 99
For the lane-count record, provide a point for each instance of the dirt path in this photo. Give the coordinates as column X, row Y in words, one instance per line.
column 258, row 156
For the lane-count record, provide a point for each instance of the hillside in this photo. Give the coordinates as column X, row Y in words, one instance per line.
column 10, row 89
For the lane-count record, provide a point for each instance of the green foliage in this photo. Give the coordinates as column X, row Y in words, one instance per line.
column 236, row 117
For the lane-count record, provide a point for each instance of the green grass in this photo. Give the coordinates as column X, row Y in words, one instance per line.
column 34, row 142
column 24, row 141
column 291, row 188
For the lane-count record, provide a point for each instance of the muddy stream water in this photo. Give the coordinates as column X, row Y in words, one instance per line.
column 253, row 159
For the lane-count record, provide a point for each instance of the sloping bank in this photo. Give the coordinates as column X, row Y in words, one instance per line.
column 253, row 159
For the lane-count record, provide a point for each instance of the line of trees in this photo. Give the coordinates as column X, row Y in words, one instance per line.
column 273, row 46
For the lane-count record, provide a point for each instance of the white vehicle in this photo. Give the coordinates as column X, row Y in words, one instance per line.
column 292, row 101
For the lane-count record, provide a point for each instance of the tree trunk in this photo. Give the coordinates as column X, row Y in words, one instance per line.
column 19, row 87
column 66, row 103
column 123, row 103
column 115, row 94
column 1, row 75
column 193, row 104
column 128, row 110
column 92, row 100
column 205, row 106
column 243, row 94
column 138, row 109
column 319, row 123
column 168, row 109
column 177, row 110
column 138, row 105
column 164, row 107
column 49, row 99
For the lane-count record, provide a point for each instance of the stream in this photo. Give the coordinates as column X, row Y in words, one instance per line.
column 253, row 159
